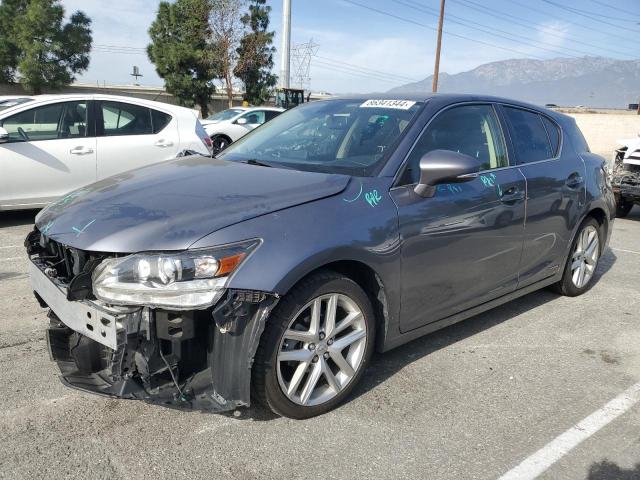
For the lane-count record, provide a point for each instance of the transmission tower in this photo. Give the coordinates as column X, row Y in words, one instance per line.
column 301, row 54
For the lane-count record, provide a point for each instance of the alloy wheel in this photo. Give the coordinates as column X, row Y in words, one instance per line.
column 322, row 349
column 585, row 256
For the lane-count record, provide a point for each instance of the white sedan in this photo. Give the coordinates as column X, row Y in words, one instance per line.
column 57, row 143
column 229, row 125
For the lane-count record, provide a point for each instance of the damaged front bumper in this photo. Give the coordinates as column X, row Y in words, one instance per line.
column 190, row 360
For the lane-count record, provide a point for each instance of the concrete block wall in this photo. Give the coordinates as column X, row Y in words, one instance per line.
column 603, row 130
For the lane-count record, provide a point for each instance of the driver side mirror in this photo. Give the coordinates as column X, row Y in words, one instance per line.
column 4, row 135
column 242, row 121
column 444, row 166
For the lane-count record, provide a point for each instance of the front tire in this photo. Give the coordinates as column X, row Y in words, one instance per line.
column 583, row 260
column 220, row 142
column 315, row 348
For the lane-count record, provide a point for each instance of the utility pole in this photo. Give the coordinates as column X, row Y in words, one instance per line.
column 436, row 70
column 285, row 60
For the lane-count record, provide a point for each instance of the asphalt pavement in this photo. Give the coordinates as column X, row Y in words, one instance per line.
column 474, row 401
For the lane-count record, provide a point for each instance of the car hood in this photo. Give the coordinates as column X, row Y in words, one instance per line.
column 170, row 205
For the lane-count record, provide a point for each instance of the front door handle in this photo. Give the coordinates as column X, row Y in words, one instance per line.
column 81, row 151
column 163, row 143
column 574, row 180
column 512, row 195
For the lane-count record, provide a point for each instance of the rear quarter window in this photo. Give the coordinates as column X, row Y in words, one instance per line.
column 553, row 131
column 159, row 120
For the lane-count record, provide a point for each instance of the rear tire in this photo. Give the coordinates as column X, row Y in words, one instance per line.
column 302, row 370
column 623, row 207
column 582, row 262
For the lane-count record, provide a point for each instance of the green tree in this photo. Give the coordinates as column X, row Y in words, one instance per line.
column 38, row 47
column 179, row 51
column 255, row 54
column 9, row 11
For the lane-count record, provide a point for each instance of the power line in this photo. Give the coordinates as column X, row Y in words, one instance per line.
column 360, row 73
column 582, row 13
column 512, row 19
column 469, row 23
column 407, row 20
column 592, row 14
column 604, row 4
column 366, row 69
column 591, row 28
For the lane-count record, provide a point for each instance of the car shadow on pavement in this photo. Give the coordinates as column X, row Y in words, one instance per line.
column 17, row 218
column 606, row 470
column 384, row 366
column 634, row 214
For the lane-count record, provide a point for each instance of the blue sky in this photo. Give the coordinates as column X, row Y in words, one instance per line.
column 374, row 45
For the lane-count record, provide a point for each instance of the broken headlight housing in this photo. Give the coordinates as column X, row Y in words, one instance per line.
column 182, row 281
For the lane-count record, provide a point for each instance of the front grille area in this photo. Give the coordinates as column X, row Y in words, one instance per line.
column 68, row 266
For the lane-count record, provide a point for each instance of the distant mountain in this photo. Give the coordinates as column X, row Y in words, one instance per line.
column 589, row 81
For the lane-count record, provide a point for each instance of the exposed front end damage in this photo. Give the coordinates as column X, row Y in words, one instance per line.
column 625, row 176
column 197, row 359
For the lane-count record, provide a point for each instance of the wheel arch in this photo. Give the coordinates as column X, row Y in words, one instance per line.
column 601, row 217
column 369, row 280
column 213, row 135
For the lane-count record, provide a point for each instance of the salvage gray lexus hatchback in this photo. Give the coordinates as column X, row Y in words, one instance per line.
column 274, row 270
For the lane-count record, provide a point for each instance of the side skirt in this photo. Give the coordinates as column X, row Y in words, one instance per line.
column 458, row 317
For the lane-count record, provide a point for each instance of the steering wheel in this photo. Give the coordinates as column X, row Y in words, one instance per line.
column 23, row 134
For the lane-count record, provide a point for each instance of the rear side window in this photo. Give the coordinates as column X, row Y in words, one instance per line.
column 470, row 129
column 126, row 119
column 159, row 120
column 270, row 114
column 530, row 137
column 553, row 131
column 49, row 122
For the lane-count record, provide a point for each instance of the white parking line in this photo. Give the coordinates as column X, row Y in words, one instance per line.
column 623, row 250
column 11, row 246
column 12, row 258
column 553, row 451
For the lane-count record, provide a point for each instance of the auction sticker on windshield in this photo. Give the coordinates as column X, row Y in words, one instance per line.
column 399, row 104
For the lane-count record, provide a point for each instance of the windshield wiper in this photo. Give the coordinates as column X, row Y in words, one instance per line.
column 253, row 161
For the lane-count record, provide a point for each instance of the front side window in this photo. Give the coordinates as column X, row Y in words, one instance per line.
column 224, row 115
column 126, row 119
column 470, row 129
column 48, row 122
column 530, row 138
column 353, row 137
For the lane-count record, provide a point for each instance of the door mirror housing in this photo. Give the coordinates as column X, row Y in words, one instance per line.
column 4, row 135
column 444, row 166
column 242, row 121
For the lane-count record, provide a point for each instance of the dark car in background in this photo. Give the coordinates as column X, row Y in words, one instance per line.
column 340, row 227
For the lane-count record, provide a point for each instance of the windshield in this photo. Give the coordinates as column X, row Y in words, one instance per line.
column 225, row 114
column 334, row 136
column 4, row 104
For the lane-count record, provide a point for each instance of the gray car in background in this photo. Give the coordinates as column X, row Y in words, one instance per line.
column 340, row 227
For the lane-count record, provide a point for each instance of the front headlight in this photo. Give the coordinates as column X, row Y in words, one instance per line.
column 182, row 281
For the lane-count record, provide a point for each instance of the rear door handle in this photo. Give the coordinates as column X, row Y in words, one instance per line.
column 81, row 151
column 163, row 143
column 574, row 180
column 512, row 195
